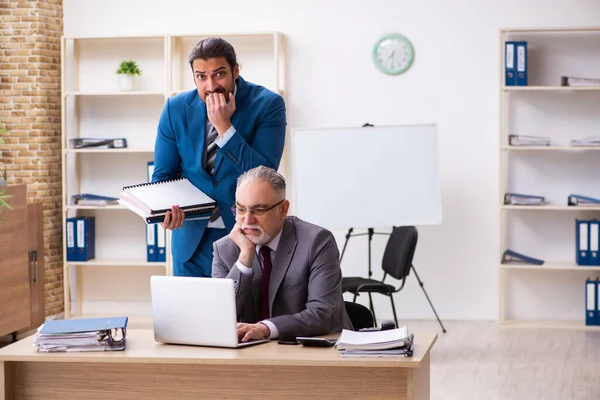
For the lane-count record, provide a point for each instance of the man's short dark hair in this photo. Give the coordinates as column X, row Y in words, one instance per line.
column 213, row 47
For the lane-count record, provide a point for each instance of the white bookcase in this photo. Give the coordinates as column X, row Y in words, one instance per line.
column 117, row 280
column 552, row 294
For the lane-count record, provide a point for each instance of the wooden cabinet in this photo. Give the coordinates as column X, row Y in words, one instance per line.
column 21, row 264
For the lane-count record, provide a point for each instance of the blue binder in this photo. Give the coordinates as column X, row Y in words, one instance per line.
column 71, row 248
column 161, row 239
column 522, row 58
column 86, row 238
column 591, row 302
column 593, row 255
column 151, row 243
column 83, row 325
column 510, row 61
column 582, row 242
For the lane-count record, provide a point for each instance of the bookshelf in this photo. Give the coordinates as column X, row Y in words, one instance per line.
column 117, row 280
column 555, row 291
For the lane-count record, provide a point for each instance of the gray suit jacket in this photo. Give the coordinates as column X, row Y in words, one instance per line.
column 305, row 289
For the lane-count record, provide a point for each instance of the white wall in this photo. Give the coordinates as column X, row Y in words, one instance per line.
column 332, row 82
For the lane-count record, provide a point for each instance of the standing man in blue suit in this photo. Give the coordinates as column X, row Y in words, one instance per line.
column 211, row 136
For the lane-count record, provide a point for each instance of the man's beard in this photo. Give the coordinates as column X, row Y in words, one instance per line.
column 263, row 238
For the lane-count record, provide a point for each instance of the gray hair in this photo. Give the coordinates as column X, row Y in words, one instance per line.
column 264, row 174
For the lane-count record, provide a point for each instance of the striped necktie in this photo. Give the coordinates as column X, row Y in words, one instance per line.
column 211, row 155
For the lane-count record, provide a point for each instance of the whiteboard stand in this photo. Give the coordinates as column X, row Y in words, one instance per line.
column 370, row 232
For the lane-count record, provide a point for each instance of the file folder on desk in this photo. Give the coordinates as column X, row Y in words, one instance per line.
column 578, row 200
column 86, row 334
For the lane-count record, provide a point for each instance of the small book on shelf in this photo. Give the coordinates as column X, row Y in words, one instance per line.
column 152, row 200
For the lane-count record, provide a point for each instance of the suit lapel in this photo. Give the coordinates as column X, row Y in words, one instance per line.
column 283, row 258
column 196, row 119
column 241, row 103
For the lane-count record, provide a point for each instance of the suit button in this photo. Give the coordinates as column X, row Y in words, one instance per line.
column 215, row 183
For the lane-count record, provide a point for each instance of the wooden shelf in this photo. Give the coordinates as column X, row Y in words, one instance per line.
column 116, row 263
column 550, row 88
column 99, row 150
column 550, row 267
column 550, row 148
column 547, row 324
column 132, row 93
column 551, row 208
column 109, row 207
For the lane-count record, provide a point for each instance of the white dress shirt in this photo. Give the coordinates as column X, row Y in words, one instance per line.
column 273, row 245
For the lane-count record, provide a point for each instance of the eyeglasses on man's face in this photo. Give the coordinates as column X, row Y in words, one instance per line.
column 239, row 210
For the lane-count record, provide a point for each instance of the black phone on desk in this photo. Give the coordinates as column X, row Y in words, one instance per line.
column 288, row 340
column 316, row 342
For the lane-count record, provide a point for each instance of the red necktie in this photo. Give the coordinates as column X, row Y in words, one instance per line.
column 263, row 298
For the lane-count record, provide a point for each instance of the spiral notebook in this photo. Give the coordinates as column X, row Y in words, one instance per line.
column 152, row 200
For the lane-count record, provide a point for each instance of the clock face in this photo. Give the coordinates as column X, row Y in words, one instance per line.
column 393, row 54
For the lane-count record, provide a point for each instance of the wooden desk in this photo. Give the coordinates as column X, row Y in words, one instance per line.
column 149, row 370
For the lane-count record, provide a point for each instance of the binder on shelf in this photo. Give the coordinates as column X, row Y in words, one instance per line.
column 510, row 58
column 86, row 238
column 597, row 301
column 151, row 251
column 71, row 249
column 523, row 199
column 81, row 143
column 522, row 58
column 88, row 199
column 152, row 201
column 511, row 256
column 528, row 140
column 591, row 302
column 586, row 236
column 586, row 142
column 579, row 200
column 161, row 240
column 151, row 229
column 579, row 82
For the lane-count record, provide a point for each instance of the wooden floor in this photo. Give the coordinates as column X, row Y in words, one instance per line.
column 488, row 361
column 485, row 360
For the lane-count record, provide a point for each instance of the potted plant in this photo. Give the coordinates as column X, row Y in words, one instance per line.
column 127, row 72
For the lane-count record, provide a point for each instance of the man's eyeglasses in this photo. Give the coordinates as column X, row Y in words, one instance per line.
column 239, row 210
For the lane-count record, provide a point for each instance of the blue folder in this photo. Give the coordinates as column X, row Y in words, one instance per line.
column 521, row 65
column 83, row 325
column 591, row 302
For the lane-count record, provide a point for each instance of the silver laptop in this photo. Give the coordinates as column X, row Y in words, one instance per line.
column 195, row 311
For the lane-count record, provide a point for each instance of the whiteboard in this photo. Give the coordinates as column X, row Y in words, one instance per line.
column 366, row 177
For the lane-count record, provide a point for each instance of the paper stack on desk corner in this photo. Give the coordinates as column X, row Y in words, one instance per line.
column 387, row 343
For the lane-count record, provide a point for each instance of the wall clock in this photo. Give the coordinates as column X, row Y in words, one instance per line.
column 393, row 54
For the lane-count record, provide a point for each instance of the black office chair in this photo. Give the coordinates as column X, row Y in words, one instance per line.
column 360, row 316
column 397, row 262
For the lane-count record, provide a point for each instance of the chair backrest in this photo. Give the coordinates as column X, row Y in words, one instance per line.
column 399, row 251
column 360, row 316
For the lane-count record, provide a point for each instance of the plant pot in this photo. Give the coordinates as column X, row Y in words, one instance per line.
column 126, row 82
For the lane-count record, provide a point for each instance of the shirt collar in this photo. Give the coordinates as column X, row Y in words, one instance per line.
column 273, row 244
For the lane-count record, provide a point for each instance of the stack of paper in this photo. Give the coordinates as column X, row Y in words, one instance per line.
column 517, row 140
column 586, row 142
column 87, row 334
column 387, row 343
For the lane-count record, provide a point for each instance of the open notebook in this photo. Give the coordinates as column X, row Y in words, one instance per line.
column 152, row 200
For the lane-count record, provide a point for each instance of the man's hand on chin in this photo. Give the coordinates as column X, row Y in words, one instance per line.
column 252, row 331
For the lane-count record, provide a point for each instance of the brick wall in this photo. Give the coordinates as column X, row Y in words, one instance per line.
column 30, row 76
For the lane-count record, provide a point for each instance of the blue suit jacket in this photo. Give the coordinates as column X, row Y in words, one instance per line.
column 260, row 123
